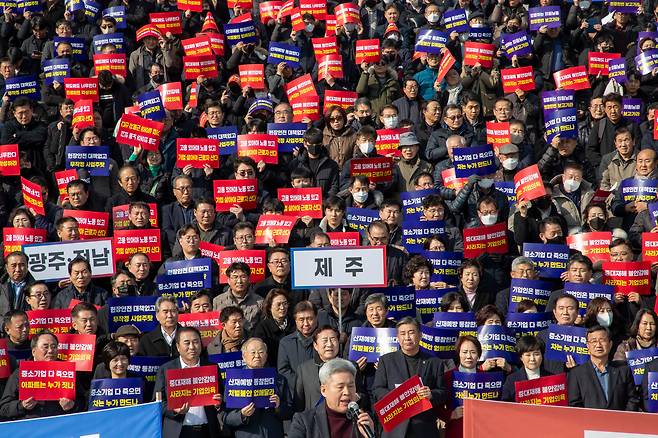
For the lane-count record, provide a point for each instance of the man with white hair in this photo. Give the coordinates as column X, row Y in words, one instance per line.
column 329, row 418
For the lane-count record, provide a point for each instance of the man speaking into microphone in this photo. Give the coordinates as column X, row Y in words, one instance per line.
column 336, row 416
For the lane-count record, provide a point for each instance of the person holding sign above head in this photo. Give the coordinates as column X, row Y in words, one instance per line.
column 160, row 340
column 250, row 421
column 187, row 421
column 560, row 151
column 531, row 354
column 599, row 383
column 80, row 287
column 397, row 367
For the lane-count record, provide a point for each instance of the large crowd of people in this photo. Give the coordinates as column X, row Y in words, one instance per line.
column 435, row 99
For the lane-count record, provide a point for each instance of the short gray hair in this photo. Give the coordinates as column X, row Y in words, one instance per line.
column 376, row 298
column 522, row 261
column 335, row 366
column 459, row 138
column 161, row 300
column 249, row 341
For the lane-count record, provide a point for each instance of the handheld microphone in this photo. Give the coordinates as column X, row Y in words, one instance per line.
column 353, row 414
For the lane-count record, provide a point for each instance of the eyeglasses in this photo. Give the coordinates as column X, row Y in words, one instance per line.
column 246, row 172
column 40, row 295
column 282, row 262
column 458, row 117
column 281, row 304
column 336, row 119
column 214, row 113
column 245, row 238
column 183, row 189
column 190, row 239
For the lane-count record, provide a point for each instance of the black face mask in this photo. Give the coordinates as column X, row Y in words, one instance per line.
column 371, row 3
column 157, row 79
column 128, row 290
column 313, row 149
column 597, row 223
column 543, row 203
column 557, row 240
column 365, row 120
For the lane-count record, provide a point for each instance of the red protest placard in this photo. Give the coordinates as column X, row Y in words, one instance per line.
column 549, row 390
column 367, row 51
column 300, row 88
column 317, row 8
column 167, row 22
column 5, row 369
column 388, row 141
column 302, row 202
column 286, row 8
column 254, row 258
column 196, row 152
column 274, row 227
column 54, row 320
column 62, row 178
column 377, row 169
column 172, row 95
column 211, row 250
column 216, row 42
column 343, row 99
column 498, row 134
column 521, row 78
column 207, row 322
column 296, row 20
column 129, row 242
column 195, row 386
column 650, row 247
column 83, row 114
column 305, row 108
column 401, row 404
column 597, row 62
column 269, row 10
column 344, row 239
column 481, row 53
column 445, row 65
column 655, row 130
column 78, row 349
column 231, row 192
column 324, row 46
column 120, row 218
column 81, row 88
column 92, row 224
column 244, row 4
column 627, row 277
column 15, row 238
column 190, row 5
column 136, row 131
column 252, row 75
column 195, row 66
column 594, row 245
column 528, row 184
column 242, row 18
column 573, row 78
column 75, row 302
column 600, row 196
column 491, row 239
column 46, row 380
column 32, row 196
column 330, row 65
column 9, row 162
column 330, row 21
column 197, row 46
column 347, row 13
column 260, row 147
column 451, row 181
column 113, row 62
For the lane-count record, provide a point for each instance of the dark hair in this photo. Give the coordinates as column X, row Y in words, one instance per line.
column 390, row 203
column 6, row 319
column 528, row 343
column 186, row 329
column 201, row 293
column 301, row 172
column 593, row 308
column 38, row 335
column 275, row 250
column 598, row 328
column 208, row 201
column 566, row 295
column 487, row 312
column 238, row 266
column 267, row 302
column 21, row 210
column 313, row 136
column 185, row 228
column 489, row 200
column 525, row 304
column 319, row 330
column 243, row 226
column 59, row 223
column 433, row 201
column 638, row 317
column 248, row 161
column 82, row 307
column 305, row 306
column 450, row 298
column 460, row 342
column 78, row 183
column 440, row 237
column 414, row 264
column 334, row 201
column 470, row 263
column 579, row 258
column 227, row 311
column 618, row 242
column 79, row 259
column 113, row 349
column 15, row 254
column 612, row 97
column 274, row 204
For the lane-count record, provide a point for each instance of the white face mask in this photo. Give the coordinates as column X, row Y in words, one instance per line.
column 360, row 196
column 489, row 219
column 485, row 183
column 510, row 163
column 432, row 18
column 366, row 147
column 391, row 122
column 388, row 2
column 571, row 185
column 309, row 27
column 604, row 319
column 585, row 4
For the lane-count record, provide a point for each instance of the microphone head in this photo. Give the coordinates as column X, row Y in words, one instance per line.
column 353, row 408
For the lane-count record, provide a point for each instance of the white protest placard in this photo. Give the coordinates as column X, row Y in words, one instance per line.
column 49, row 261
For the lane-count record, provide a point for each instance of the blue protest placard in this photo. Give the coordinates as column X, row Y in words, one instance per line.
column 548, row 16
column 625, row 6
column 482, row 386
column 115, row 39
column 518, row 44
column 289, row 135
column 150, row 105
column 633, row 189
column 281, row 52
column 497, row 343
column 428, row 302
column 22, row 86
column 646, row 61
column 617, row 70
column 652, row 387
column 118, row 13
column 528, row 323
column 482, row 32
column 138, row 311
column 401, row 301
column 430, row 41
column 415, row 232
column 360, row 218
column 202, row 265
column 463, row 321
column 180, row 286
column 550, row 259
column 438, row 342
column 455, row 20
column 7, row 4
column 445, row 265
column 227, row 361
column 476, row 160
column 56, row 70
column 74, row 5
column 92, row 9
column 522, row 289
column 653, row 211
column 631, row 108
column 508, row 189
column 28, row 5
column 115, row 393
column 96, row 159
column 558, row 99
column 246, row 386
column 586, row 292
column 227, row 136
column 566, row 340
column 372, row 343
column 78, row 51
column 240, row 32
column 147, row 366
column 563, row 122
column 412, row 202
column 637, row 361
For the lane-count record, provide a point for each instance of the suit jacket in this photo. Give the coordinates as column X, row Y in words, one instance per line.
column 311, row 423
column 520, row 375
column 392, row 371
column 651, row 366
column 7, row 296
column 293, row 350
column 585, row 390
column 172, row 220
column 171, row 422
column 153, row 344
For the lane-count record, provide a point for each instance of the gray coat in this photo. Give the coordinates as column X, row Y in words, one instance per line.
column 293, row 350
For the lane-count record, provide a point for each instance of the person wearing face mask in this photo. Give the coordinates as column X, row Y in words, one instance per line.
column 645, row 169
column 365, row 148
column 410, row 164
column 324, row 170
column 360, row 195
column 468, row 198
column 388, row 117
column 525, row 144
column 530, row 214
column 508, row 155
column 433, row 16
column 601, row 312
column 572, row 194
column 595, row 218
column 559, row 153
